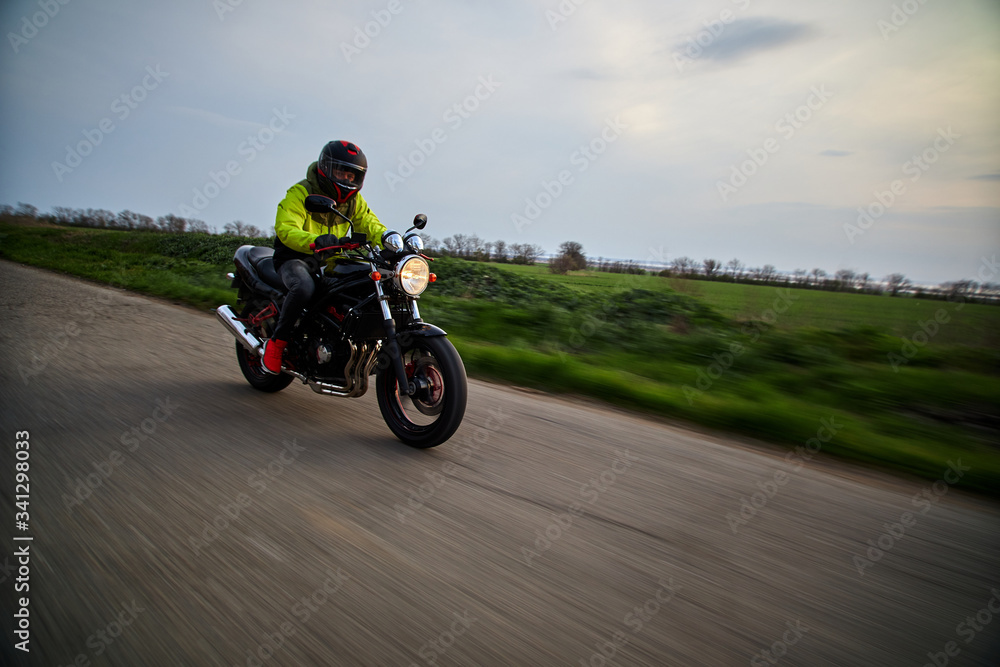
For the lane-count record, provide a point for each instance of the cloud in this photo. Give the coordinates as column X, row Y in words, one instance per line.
column 212, row 118
column 833, row 153
column 746, row 36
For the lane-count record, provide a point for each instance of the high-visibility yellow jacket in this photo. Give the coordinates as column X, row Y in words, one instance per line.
column 295, row 228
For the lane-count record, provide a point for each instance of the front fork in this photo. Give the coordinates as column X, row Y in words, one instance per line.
column 406, row 386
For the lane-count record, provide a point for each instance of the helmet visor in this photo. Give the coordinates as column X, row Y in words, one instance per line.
column 346, row 175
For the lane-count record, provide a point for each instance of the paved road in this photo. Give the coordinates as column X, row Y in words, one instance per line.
column 181, row 518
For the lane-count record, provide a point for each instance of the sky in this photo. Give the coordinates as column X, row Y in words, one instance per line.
column 860, row 134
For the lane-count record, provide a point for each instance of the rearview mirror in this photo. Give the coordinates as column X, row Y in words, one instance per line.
column 420, row 221
column 320, row 204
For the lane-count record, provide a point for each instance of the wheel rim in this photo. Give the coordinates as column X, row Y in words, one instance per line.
column 419, row 413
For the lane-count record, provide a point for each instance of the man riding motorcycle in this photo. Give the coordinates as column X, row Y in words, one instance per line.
column 338, row 174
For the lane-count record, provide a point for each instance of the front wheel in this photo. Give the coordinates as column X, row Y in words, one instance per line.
column 435, row 411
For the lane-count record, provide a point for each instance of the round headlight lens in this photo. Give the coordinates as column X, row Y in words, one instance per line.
column 413, row 275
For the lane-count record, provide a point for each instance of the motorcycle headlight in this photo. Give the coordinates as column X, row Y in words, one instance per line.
column 413, row 275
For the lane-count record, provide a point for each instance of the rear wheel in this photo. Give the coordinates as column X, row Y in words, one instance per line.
column 253, row 369
column 435, row 411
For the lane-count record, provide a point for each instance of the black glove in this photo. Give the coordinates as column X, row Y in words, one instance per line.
column 326, row 240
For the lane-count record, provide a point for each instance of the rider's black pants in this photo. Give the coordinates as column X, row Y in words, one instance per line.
column 301, row 288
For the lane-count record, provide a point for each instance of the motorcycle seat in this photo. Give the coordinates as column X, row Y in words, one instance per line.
column 258, row 261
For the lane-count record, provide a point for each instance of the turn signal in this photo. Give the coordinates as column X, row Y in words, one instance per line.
column 375, row 275
column 433, row 278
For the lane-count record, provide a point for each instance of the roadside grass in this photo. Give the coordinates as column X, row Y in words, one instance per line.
column 968, row 323
column 633, row 342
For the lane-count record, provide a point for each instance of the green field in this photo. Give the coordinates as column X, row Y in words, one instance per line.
column 970, row 324
column 708, row 353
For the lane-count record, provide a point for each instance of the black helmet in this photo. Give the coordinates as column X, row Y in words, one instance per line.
column 342, row 168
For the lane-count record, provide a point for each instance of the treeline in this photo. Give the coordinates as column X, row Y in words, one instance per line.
column 99, row 218
column 479, row 250
column 844, row 280
column 570, row 258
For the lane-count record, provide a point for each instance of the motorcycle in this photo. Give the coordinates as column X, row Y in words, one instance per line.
column 363, row 321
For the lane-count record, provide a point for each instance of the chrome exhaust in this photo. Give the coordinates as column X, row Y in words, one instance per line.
column 247, row 339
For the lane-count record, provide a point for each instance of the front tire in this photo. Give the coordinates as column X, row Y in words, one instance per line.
column 253, row 369
column 435, row 412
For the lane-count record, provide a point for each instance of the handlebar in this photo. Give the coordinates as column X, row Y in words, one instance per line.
column 346, row 246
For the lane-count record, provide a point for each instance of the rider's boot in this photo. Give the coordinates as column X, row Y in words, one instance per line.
column 273, row 350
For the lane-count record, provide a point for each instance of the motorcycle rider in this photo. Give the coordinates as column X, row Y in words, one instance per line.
column 338, row 174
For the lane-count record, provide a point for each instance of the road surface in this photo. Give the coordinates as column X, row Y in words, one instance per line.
column 179, row 517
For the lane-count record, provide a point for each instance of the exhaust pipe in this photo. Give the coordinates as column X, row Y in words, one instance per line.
column 253, row 344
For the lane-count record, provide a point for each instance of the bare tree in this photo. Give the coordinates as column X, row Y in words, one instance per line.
column 240, row 228
column 801, row 276
column 479, row 250
column 500, row 253
column 735, row 268
column 25, row 210
column 574, row 252
column 845, row 279
column 172, row 223
column 562, row 264
column 712, row 267
column 683, row 266
column 896, row 282
column 818, row 276
column 525, row 253
column 960, row 288
column 199, row 227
